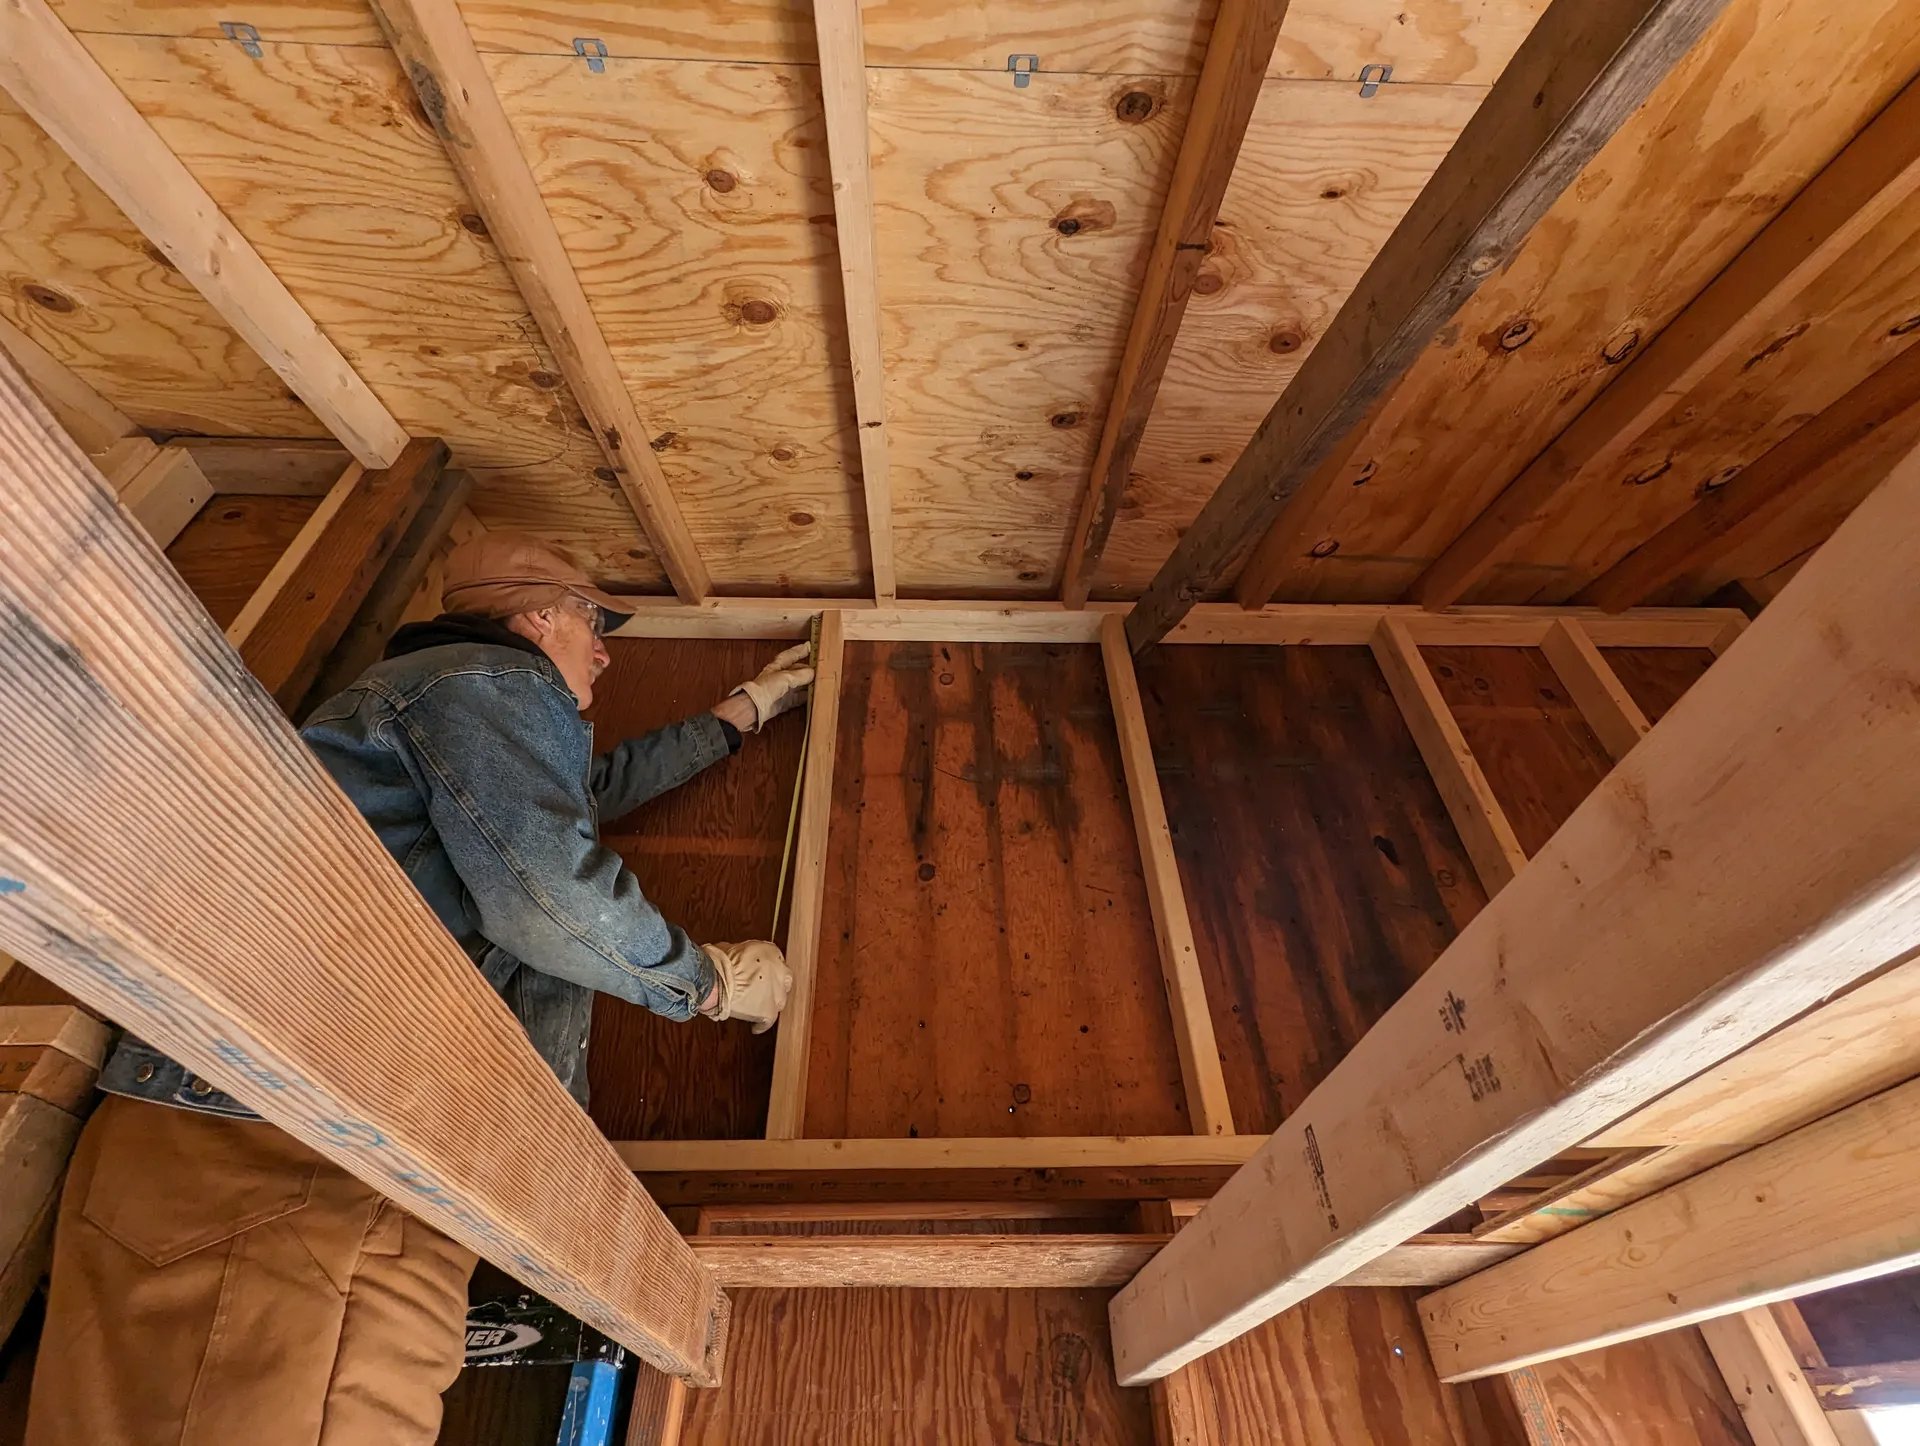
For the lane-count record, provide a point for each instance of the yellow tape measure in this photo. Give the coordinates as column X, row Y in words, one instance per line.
column 799, row 774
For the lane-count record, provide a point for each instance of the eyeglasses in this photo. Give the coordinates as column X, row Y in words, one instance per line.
column 596, row 618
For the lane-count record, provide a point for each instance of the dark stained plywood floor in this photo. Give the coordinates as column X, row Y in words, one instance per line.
column 1321, row 870
column 987, row 962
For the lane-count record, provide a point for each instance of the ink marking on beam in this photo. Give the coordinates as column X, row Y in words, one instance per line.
column 1453, row 1013
column 1482, row 1079
column 1317, row 1167
column 12, row 886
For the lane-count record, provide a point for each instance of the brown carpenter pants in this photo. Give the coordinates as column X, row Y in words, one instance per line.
column 215, row 1282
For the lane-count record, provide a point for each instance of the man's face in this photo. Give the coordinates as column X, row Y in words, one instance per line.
column 569, row 634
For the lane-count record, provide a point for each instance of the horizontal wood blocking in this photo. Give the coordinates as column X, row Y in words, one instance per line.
column 1828, row 1204
column 173, row 855
column 1280, row 624
column 1066, row 1152
column 1754, row 854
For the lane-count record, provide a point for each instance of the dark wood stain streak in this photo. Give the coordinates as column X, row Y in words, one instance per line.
column 988, row 964
column 1321, row 871
column 708, row 854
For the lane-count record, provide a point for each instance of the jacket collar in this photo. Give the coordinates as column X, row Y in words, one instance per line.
column 451, row 628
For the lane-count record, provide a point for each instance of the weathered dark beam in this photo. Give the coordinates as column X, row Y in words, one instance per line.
column 1586, row 67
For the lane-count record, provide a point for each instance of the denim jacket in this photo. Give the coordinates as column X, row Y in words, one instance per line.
column 466, row 752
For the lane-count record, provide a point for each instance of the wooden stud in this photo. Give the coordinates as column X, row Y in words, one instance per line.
column 433, row 43
column 1616, row 720
column 1739, row 311
column 1205, row 1082
column 1482, row 824
column 297, row 615
column 49, row 72
column 1239, row 50
column 1586, row 66
column 1753, row 856
column 1725, row 518
column 843, row 93
column 172, row 854
column 93, row 422
column 1767, row 1384
column 658, row 1413
column 1850, row 1428
column 787, row 1103
column 167, row 494
column 1828, row 1204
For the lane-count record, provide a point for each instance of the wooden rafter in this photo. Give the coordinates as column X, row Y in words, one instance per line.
column 1238, row 53
column 1740, row 311
column 66, row 92
column 173, row 855
column 1754, row 854
column 434, row 45
column 1586, row 67
column 1830, row 1203
column 843, row 90
column 1600, row 696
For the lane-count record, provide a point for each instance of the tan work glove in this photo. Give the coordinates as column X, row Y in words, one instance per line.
column 781, row 686
column 754, row 982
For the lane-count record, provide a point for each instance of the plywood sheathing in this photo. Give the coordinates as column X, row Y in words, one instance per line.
column 1774, row 91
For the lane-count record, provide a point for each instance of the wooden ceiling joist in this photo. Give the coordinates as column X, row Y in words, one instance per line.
column 437, row 51
column 1742, row 310
column 1830, row 1203
column 1760, row 494
column 1585, row 68
column 843, row 92
column 172, row 854
column 53, row 78
column 1238, row 54
column 1751, row 856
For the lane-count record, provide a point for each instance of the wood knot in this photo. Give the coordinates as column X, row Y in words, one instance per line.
column 606, row 474
column 1208, row 282
column 757, row 312
column 1284, row 341
column 1134, row 107
column 664, row 441
column 721, row 181
column 783, row 454
column 800, row 519
column 1326, row 547
column 544, row 380
column 473, row 222
column 1064, row 420
column 1517, row 334
column 1621, row 345
column 48, row 299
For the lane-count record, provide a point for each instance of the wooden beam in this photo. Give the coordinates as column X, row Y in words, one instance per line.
column 1828, row 1204
column 433, row 44
column 74, row 101
column 275, row 467
column 1615, row 1183
column 1586, row 66
column 787, row 1103
column 1283, row 624
column 1011, row 1152
column 1202, row 1078
column 166, row 494
column 93, row 422
column 1239, row 50
column 1849, row 1427
column 925, row 1262
column 1762, row 492
column 1482, row 824
column 843, row 94
column 365, row 636
column 172, row 854
column 1616, row 720
column 1738, row 312
column 1777, row 1405
column 297, row 615
column 1755, row 854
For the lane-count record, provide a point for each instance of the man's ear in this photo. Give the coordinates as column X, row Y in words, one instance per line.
column 534, row 626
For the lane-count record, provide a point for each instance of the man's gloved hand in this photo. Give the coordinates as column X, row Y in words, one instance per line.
column 753, row 982
column 781, row 686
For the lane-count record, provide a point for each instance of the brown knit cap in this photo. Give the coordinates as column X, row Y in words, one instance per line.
column 499, row 574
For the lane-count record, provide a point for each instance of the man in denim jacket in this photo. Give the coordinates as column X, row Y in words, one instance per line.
column 216, row 1281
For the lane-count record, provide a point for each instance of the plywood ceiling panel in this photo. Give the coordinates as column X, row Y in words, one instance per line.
column 1323, row 178
column 1772, row 93
column 695, row 202
column 1013, row 226
column 78, row 278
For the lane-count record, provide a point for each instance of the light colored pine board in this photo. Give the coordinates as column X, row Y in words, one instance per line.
column 1603, row 700
column 1817, row 1208
column 1770, row 95
column 1012, row 227
column 787, row 1102
column 1775, row 1401
column 696, row 206
column 1201, row 1076
column 1752, row 856
column 267, row 948
column 166, row 494
column 1239, row 47
column 90, row 419
column 1600, row 1191
column 53, row 78
column 1577, row 78
column 434, row 47
column 843, row 86
column 928, row 1262
column 1490, row 840
column 113, row 309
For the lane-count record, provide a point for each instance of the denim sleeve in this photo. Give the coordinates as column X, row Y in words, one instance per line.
column 644, row 768
column 504, row 761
